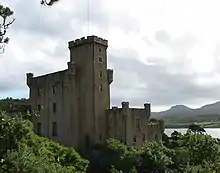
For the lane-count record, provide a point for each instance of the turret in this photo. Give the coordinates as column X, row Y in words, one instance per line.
column 88, row 39
column 29, row 78
column 125, row 108
column 148, row 109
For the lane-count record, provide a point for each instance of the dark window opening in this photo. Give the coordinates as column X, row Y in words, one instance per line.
column 100, row 50
column 100, row 59
column 143, row 137
column 87, row 141
column 39, row 126
column 138, row 124
column 156, row 137
column 100, row 137
column 100, row 74
column 135, row 139
column 54, row 107
column 54, row 129
column 100, row 88
column 54, row 89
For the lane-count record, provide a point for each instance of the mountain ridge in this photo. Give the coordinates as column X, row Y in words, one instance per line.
column 182, row 110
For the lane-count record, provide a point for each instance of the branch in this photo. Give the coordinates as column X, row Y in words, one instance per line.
column 48, row 3
column 5, row 12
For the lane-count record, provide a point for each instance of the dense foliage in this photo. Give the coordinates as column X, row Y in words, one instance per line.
column 23, row 151
column 5, row 14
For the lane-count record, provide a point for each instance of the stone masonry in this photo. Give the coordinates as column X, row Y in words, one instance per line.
column 74, row 104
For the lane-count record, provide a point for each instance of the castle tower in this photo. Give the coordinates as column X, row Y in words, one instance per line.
column 93, row 80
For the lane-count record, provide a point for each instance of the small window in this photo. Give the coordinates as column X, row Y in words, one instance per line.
column 100, row 74
column 100, row 88
column 156, row 137
column 54, row 129
column 39, row 130
column 54, row 89
column 134, row 139
column 100, row 60
column 54, row 107
column 100, row 50
column 100, row 137
column 138, row 125
column 143, row 137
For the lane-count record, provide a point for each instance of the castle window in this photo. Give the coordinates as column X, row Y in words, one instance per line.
column 143, row 137
column 100, row 60
column 100, row 74
column 156, row 137
column 54, row 89
column 138, row 124
column 134, row 139
column 100, row 88
column 100, row 50
column 54, row 129
column 39, row 130
column 54, row 107
column 100, row 137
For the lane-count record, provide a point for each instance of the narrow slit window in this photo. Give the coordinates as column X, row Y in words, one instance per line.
column 100, row 74
column 54, row 129
column 54, row 107
column 100, row 88
column 100, row 59
column 39, row 128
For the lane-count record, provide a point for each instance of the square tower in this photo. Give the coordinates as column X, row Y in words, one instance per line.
column 92, row 80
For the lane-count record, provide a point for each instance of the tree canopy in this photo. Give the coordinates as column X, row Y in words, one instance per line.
column 5, row 14
column 21, row 150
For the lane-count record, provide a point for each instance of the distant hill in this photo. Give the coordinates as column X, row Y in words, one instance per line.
column 181, row 115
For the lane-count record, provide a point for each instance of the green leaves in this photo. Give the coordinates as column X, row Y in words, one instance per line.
column 23, row 151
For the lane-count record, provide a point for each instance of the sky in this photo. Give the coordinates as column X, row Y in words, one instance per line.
column 162, row 52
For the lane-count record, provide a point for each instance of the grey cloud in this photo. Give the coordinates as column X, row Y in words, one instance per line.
column 162, row 87
column 162, row 36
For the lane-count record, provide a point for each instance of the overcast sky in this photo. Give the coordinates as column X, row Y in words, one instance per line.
column 162, row 52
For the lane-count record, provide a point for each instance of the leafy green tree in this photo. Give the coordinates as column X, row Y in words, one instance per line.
column 200, row 147
column 22, row 150
column 196, row 128
column 155, row 157
column 114, row 156
column 5, row 13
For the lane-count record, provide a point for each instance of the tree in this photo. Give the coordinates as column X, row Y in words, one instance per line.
column 5, row 13
column 196, row 128
column 23, row 151
column 48, row 3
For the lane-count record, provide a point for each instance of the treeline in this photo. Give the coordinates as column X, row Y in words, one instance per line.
column 22, row 151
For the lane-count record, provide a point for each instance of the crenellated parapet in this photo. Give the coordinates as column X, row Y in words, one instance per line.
column 147, row 107
column 110, row 76
column 88, row 39
column 125, row 108
column 29, row 76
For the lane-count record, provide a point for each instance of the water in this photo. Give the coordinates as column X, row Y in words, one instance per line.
column 214, row 132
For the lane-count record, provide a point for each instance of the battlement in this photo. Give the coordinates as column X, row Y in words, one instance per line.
column 88, row 39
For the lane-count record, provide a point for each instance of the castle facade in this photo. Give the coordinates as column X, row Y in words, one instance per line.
column 74, row 104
